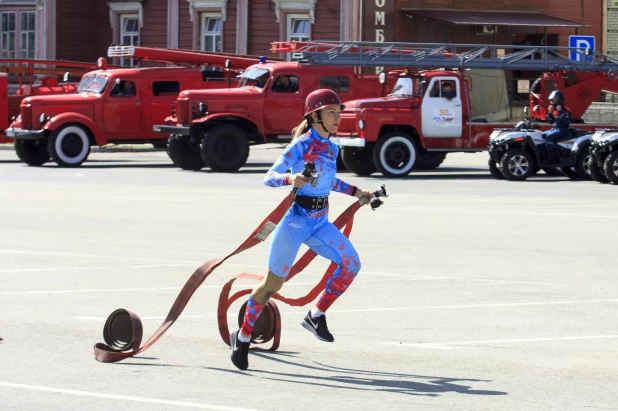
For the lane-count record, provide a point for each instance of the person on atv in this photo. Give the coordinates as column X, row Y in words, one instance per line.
column 560, row 116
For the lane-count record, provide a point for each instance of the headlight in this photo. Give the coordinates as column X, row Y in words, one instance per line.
column 361, row 124
column 42, row 118
column 203, row 108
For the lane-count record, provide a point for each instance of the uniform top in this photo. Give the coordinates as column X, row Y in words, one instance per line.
column 309, row 147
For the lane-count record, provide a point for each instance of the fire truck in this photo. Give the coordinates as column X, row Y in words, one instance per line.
column 47, row 83
column 420, row 121
column 115, row 105
column 215, row 128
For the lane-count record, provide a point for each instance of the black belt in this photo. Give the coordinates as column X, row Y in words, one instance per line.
column 311, row 203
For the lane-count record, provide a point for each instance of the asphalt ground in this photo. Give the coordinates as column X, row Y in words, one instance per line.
column 475, row 294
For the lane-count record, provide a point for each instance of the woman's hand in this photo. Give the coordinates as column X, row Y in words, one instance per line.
column 363, row 193
column 298, row 180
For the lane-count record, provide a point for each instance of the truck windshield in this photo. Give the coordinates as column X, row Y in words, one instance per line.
column 95, row 84
column 409, row 86
column 253, row 78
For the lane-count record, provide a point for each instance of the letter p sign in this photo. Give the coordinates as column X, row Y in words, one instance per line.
column 582, row 43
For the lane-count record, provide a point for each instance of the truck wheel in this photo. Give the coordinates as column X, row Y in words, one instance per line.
column 69, row 145
column 167, row 149
column 225, row 148
column 159, row 144
column 358, row 160
column 394, row 154
column 32, row 152
column 517, row 165
column 597, row 173
column 184, row 154
column 429, row 161
column 611, row 167
column 582, row 167
column 494, row 170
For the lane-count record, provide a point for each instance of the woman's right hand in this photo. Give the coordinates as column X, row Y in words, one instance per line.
column 298, row 180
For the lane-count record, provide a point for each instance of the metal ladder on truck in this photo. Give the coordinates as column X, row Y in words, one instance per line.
column 184, row 57
column 448, row 56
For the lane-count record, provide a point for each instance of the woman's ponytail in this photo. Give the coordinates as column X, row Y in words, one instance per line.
column 302, row 128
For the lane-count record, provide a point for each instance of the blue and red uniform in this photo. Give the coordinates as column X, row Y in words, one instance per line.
column 310, row 227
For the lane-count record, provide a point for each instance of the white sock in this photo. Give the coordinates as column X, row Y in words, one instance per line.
column 242, row 338
column 315, row 313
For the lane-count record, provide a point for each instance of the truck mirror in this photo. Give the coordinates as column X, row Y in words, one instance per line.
column 382, row 78
column 228, row 64
column 526, row 110
column 66, row 77
column 117, row 81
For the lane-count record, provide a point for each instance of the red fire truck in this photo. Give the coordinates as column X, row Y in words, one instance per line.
column 215, row 128
column 420, row 121
column 115, row 105
column 48, row 83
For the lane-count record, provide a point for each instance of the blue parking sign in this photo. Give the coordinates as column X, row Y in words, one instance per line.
column 581, row 42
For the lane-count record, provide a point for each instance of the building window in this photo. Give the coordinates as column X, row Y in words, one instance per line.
column 26, row 35
column 8, row 35
column 299, row 27
column 211, row 29
column 129, row 35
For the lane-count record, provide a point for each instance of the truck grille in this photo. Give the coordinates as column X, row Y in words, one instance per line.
column 26, row 116
column 182, row 111
column 347, row 125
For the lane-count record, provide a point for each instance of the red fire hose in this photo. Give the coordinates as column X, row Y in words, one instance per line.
column 123, row 329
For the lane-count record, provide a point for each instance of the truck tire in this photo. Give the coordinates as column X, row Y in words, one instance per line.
column 582, row 167
column 611, row 167
column 597, row 173
column 394, row 154
column 69, row 145
column 167, row 149
column 159, row 144
column 517, row 165
column 494, row 170
column 32, row 152
column 225, row 148
column 429, row 161
column 184, row 154
column 358, row 160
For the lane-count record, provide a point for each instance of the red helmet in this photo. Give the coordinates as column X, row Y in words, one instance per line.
column 321, row 98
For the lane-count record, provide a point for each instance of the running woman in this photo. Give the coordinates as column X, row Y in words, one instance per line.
column 306, row 222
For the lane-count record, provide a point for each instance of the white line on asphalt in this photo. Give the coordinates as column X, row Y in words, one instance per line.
column 107, row 267
column 363, row 310
column 121, row 397
column 447, row 345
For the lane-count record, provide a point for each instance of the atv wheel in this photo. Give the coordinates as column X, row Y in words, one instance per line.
column 32, row 152
column 225, row 148
column 395, row 154
column 494, row 170
column 597, row 173
column 184, row 153
column 517, row 165
column 358, row 160
column 429, row 161
column 69, row 145
column 582, row 168
column 611, row 167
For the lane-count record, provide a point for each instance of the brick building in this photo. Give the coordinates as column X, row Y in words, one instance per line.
column 82, row 29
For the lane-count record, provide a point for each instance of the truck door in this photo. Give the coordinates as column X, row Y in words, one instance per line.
column 441, row 108
column 122, row 112
column 283, row 104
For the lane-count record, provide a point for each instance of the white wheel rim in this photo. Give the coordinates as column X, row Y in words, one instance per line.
column 384, row 151
column 615, row 167
column 64, row 133
column 518, row 165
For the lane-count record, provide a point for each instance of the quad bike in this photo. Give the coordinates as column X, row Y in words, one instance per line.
column 603, row 163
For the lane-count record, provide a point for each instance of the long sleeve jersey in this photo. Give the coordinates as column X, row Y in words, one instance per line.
column 310, row 147
column 560, row 119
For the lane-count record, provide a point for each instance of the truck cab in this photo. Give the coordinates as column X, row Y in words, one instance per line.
column 215, row 128
column 109, row 106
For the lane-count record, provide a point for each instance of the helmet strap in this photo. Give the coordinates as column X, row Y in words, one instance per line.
column 319, row 114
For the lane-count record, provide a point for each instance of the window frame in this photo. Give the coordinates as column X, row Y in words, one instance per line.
column 21, row 35
column 121, row 23
column 15, row 32
column 290, row 18
column 204, row 16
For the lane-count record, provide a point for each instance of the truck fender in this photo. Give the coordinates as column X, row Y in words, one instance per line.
column 214, row 117
column 58, row 121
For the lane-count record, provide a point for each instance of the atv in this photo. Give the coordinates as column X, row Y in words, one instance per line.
column 518, row 153
column 604, row 156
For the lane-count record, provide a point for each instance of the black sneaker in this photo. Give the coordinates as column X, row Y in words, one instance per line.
column 318, row 327
column 240, row 351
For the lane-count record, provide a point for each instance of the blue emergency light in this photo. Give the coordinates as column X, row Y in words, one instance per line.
column 262, row 59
